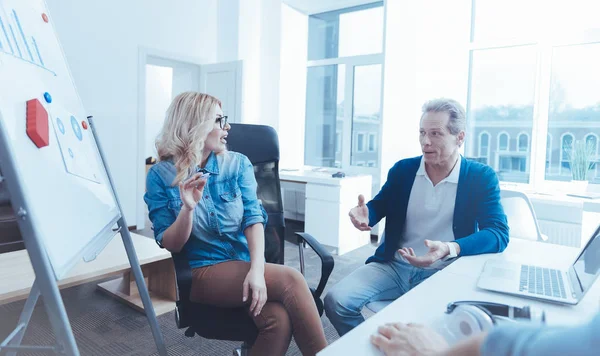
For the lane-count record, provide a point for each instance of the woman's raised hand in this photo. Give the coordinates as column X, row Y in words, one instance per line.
column 191, row 190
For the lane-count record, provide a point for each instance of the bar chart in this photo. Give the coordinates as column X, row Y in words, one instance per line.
column 16, row 39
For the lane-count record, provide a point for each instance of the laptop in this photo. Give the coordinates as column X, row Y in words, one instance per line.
column 566, row 287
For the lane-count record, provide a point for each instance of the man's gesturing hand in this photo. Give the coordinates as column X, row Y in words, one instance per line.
column 359, row 215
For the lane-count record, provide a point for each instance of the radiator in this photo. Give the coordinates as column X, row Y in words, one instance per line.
column 561, row 233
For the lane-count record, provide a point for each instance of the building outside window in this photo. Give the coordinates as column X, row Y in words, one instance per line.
column 530, row 82
column 360, row 142
column 484, row 147
column 373, row 142
column 344, row 84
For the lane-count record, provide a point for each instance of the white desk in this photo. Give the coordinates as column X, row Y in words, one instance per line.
column 328, row 201
column 427, row 302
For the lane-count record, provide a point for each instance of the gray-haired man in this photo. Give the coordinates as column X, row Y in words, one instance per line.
column 438, row 206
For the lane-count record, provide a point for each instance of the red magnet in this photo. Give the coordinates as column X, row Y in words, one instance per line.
column 84, row 125
column 37, row 123
column 45, row 18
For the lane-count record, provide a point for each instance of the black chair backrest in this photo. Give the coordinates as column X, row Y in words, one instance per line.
column 261, row 145
column 10, row 235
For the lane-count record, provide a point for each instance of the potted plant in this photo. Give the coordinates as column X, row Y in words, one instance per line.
column 581, row 154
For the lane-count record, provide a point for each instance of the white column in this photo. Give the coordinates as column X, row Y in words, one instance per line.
column 250, row 30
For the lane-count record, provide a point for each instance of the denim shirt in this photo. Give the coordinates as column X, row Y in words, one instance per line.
column 525, row 340
column 228, row 206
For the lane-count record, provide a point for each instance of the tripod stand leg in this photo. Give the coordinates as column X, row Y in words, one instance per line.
column 136, row 270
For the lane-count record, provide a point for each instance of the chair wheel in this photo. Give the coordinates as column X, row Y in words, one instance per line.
column 190, row 332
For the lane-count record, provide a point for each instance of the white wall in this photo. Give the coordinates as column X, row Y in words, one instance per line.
column 292, row 88
column 101, row 41
column 257, row 43
column 159, row 89
column 270, row 49
column 426, row 57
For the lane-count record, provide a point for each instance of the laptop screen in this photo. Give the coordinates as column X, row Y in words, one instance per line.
column 588, row 263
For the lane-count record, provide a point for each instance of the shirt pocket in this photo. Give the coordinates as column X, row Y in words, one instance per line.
column 232, row 209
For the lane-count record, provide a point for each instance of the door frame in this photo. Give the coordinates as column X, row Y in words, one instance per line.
column 239, row 68
column 145, row 54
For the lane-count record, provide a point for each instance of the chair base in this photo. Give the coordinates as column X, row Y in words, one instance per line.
column 243, row 350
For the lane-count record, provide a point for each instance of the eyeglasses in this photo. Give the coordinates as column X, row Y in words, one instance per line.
column 222, row 120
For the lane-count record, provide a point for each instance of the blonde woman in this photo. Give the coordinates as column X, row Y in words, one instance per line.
column 202, row 201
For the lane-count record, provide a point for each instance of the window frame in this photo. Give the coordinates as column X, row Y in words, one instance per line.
column 596, row 136
column 560, row 156
column 548, row 157
column 347, row 142
column 543, row 81
column 503, row 133
column 350, row 63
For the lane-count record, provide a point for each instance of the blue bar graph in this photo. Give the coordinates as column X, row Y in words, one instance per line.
column 15, row 39
column 6, row 36
column 37, row 50
column 22, row 33
column 11, row 27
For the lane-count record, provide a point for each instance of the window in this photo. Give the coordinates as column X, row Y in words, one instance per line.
column 503, row 142
column 591, row 141
column 573, row 109
column 565, row 151
column 523, row 142
column 344, row 33
column 372, row 143
column 344, row 84
column 505, row 164
column 366, row 108
column 502, row 92
column 324, row 94
column 360, row 142
column 484, row 147
column 544, row 66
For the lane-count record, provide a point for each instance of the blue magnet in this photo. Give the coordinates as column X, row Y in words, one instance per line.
column 76, row 128
column 61, row 127
column 48, row 97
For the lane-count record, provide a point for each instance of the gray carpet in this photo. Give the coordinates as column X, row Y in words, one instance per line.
column 103, row 326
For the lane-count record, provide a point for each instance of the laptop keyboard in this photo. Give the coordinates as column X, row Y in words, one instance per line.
column 542, row 281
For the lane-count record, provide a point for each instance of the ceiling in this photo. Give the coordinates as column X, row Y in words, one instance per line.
column 310, row 7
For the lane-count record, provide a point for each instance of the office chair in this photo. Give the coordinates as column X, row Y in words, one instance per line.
column 522, row 221
column 260, row 144
column 10, row 235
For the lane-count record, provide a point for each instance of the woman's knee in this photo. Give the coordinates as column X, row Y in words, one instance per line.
column 292, row 278
column 276, row 319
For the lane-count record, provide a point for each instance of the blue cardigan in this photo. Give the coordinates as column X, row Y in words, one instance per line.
column 479, row 223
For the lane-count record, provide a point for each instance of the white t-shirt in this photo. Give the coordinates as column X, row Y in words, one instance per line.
column 430, row 211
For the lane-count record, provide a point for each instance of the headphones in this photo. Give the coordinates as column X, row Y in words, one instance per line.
column 467, row 318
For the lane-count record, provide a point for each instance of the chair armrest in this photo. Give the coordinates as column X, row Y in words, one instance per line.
column 326, row 259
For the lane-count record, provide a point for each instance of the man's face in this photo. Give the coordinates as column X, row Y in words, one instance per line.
column 437, row 143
